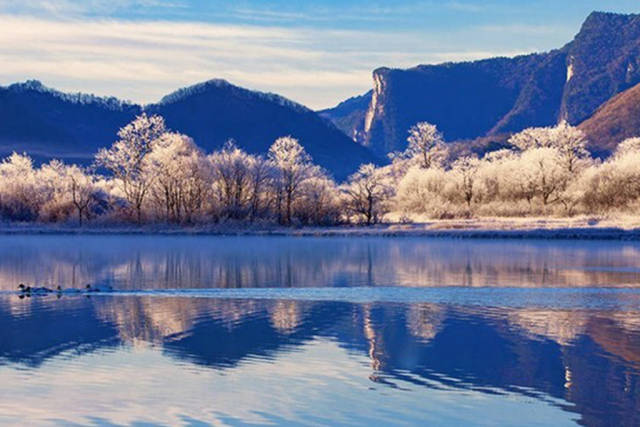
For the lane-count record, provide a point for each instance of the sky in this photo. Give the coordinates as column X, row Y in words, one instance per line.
column 316, row 52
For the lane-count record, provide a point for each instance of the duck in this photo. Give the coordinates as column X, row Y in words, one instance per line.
column 60, row 290
column 90, row 288
column 29, row 290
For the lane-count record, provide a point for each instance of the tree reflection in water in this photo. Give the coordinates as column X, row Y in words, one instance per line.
column 166, row 262
column 574, row 350
column 585, row 361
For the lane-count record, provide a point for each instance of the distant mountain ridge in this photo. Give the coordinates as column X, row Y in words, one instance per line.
column 51, row 124
column 76, row 98
column 348, row 114
column 498, row 96
column 48, row 123
column 199, row 88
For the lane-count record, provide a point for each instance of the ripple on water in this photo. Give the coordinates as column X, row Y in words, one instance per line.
column 326, row 331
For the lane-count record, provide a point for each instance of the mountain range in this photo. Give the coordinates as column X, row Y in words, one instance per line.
column 593, row 82
column 490, row 99
column 50, row 124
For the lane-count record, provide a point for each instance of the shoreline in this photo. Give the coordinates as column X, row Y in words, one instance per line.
column 455, row 230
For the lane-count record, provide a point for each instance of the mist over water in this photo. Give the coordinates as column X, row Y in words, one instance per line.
column 199, row 262
column 241, row 330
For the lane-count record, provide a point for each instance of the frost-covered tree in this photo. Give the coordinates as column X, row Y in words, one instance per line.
column 261, row 172
column 532, row 138
column 630, row 146
column 420, row 191
column 464, row 172
column 319, row 201
column 160, row 175
column 542, row 170
column 573, row 193
column 82, row 188
column 570, row 143
column 53, row 190
column 232, row 180
column 196, row 188
column 20, row 198
column 126, row 158
column 292, row 167
column 367, row 193
column 426, row 146
column 241, row 182
column 496, row 176
column 615, row 184
column 181, row 175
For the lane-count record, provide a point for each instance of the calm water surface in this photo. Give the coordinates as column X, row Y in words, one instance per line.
column 317, row 331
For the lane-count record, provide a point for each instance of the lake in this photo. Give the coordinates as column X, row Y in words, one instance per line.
column 207, row 330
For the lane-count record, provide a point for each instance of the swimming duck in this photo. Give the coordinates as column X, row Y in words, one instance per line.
column 60, row 290
column 29, row 290
column 41, row 290
column 90, row 288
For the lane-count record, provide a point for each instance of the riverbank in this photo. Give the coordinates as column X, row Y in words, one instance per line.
column 584, row 228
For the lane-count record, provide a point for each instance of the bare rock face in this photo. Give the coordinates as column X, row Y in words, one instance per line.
column 487, row 98
column 465, row 100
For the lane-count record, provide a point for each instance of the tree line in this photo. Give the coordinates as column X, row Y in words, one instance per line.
column 153, row 175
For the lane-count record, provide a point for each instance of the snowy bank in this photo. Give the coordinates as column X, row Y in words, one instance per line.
column 584, row 228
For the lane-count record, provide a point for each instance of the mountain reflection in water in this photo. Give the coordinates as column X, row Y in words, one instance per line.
column 255, row 330
column 585, row 362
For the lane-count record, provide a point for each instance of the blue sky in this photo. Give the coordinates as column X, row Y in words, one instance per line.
column 314, row 52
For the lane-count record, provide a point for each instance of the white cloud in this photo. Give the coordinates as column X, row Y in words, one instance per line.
column 142, row 61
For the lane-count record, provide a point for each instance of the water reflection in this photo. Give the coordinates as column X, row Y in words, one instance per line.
column 581, row 362
column 404, row 349
column 136, row 262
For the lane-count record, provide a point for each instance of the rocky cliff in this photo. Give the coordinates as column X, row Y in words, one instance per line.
column 498, row 96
